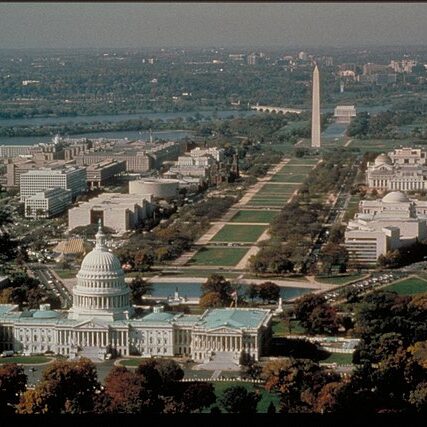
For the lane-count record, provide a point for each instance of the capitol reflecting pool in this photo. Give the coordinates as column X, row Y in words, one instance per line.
column 193, row 290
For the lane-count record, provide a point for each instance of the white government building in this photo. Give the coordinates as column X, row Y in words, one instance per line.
column 120, row 212
column 383, row 225
column 47, row 203
column 403, row 169
column 102, row 321
column 69, row 178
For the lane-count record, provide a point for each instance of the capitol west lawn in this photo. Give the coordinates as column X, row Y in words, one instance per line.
column 27, row 360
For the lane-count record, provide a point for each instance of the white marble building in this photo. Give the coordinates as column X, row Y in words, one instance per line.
column 102, row 321
column 403, row 169
column 385, row 224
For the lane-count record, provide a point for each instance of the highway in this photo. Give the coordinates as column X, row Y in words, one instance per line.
column 50, row 282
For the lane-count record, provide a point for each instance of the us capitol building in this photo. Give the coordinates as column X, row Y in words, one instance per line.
column 102, row 321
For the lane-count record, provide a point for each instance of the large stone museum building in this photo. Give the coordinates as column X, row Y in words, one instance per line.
column 102, row 321
column 403, row 169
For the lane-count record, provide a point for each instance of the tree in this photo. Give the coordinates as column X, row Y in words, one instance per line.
column 139, row 287
column 161, row 254
column 89, row 231
column 298, row 382
column 239, row 400
column 8, row 247
column 170, row 374
column 269, row 291
column 328, row 399
column 12, row 383
column 5, row 216
column 418, row 397
column 132, row 392
column 143, row 260
column 323, row 319
column 199, row 395
column 65, row 387
column 252, row 291
column 305, row 306
column 271, row 410
column 173, row 406
column 211, row 300
column 333, row 254
column 6, row 296
column 161, row 376
column 273, row 259
column 217, row 283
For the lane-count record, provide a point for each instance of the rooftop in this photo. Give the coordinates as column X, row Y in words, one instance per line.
column 395, row 197
column 71, row 246
column 50, row 171
column 236, row 318
column 159, row 317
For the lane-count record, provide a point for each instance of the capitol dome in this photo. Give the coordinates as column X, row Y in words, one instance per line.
column 100, row 260
column 396, row 197
column 383, row 159
column 101, row 291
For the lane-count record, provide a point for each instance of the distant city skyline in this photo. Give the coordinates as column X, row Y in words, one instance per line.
column 151, row 25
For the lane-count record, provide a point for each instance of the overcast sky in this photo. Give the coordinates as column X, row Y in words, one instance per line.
column 73, row 25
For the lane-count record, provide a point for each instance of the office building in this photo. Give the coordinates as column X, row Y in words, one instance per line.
column 47, row 203
column 14, row 150
column 69, row 178
column 99, row 174
column 120, row 212
column 139, row 157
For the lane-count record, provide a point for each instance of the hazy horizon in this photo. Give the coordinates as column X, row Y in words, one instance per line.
column 205, row 25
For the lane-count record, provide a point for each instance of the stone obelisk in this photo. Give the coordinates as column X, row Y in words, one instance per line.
column 315, row 114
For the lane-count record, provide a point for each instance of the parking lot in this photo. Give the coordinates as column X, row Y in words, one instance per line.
column 376, row 280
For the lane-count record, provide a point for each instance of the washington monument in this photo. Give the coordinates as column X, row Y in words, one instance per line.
column 315, row 114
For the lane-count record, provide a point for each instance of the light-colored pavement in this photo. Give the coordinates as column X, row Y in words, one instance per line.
column 244, row 261
column 308, row 284
column 215, row 228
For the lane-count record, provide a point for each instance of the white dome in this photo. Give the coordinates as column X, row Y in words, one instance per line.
column 101, row 261
column 383, row 159
column 396, row 197
column 101, row 291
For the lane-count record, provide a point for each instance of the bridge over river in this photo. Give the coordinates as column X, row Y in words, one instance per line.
column 271, row 109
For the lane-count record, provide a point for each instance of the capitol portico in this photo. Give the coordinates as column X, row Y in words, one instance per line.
column 102, row 321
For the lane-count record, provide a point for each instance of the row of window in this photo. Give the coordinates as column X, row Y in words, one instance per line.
column 102, row 285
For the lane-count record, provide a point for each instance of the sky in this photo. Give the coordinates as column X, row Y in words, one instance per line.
column 139, row 25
